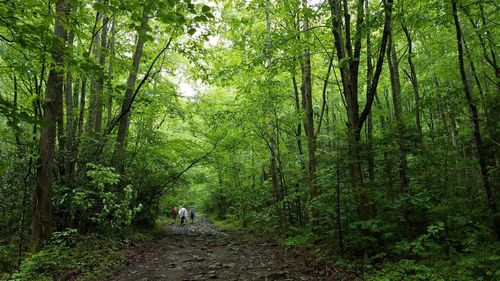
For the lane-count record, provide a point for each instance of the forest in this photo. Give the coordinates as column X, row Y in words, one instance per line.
column 365, row 132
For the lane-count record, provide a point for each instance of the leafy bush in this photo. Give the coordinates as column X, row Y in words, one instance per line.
column 481, row 265
column 102, row 203
column 299, row 239
column 424, row 246
column 370, row 232
column 7, row 257
column 405, row 270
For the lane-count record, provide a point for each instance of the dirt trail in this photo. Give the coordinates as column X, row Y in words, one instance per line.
column 202, row 252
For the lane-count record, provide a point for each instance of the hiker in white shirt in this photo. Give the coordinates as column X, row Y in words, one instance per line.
column 183, row 214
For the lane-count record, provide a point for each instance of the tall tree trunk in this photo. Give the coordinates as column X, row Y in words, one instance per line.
column 493, row 150
column 70, row 153
column 281, row 174
column 93, row 95
column 324, row 96
column 100, row 79
column 91, row 152
column 338, row 219
column 414, row 81
column 475, row 124
column 84, row 85
column 272, row 142
column 299, row 106
column 123, row 126
column 81, row 114
column 349, row 75
column 94, row 119
column 274, row 179
column 27, row 176
column 484, row 35
column 80, row 166
column 300, row 150
column 61, row 139
column 396, row 99
column 110, row 74
column 16, row 110
column 41, row 226
column 309, row 120
column 369, row 76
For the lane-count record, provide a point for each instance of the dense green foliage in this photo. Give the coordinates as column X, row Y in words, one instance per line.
column 66, row 257
column 213, row 112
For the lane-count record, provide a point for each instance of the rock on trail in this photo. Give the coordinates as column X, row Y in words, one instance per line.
column 203, row 252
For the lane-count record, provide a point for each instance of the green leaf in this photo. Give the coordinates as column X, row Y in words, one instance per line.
column 173, row 2
column 205, row 9
column 200, row 18
column 493, row 258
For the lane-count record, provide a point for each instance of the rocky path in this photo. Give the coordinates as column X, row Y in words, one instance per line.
column 202, row 252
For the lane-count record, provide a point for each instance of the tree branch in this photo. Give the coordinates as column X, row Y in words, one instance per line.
column 378, row 69
column 148, row 73
column 325, row 85
column 176, row 177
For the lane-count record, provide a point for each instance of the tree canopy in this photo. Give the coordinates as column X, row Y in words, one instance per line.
column 366, row 129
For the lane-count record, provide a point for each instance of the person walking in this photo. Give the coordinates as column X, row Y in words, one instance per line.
column 183, row 214
column 173, row 213
column 192, row 213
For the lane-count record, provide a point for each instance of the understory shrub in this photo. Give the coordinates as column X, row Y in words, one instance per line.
column 482, row 265
column 69, row 254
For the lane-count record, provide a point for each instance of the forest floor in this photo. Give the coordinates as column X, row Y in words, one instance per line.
column 201, row 251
